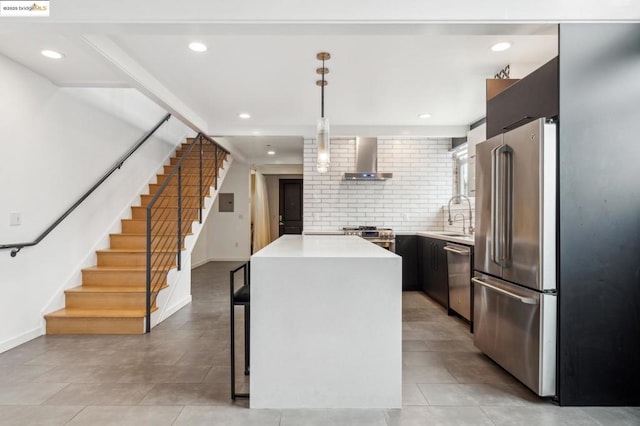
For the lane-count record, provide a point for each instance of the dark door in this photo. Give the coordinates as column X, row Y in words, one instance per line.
column 290, row 206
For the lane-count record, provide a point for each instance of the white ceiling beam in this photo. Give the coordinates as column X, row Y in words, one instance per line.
column 144, row 81
column 340, row 131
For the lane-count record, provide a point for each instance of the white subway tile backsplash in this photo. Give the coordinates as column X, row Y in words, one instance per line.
column 412, row 200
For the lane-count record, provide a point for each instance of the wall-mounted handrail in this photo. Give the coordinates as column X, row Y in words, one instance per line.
column 16, row 247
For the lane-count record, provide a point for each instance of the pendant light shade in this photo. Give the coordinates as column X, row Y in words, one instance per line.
column 323, row 140
column 323, row 143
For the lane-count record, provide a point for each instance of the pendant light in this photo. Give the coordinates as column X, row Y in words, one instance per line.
column 322, row 139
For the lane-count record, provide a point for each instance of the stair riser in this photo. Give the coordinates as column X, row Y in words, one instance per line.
column 207, row 146
column 140, row 213
column 194, row 162
column 191, row 166
column 206, row 181
column 171, row 200
column 95, row 326
column 106, row 301
column 140, row 227
column 193, row 171
column 188, row 190
column 187, row 179
column 124, row 241
column 137, row 279
column 208, row 154
column 129, row 259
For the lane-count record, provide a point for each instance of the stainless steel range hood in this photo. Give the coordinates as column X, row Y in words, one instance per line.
column 367, row 161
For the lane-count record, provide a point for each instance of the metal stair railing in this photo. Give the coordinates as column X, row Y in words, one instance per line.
column 178, row 201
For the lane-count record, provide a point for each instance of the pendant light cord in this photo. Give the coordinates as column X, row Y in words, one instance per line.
column 322, row 93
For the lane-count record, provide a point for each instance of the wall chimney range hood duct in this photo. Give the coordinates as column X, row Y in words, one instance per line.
column 367, row 161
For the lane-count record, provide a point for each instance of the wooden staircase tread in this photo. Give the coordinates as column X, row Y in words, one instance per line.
column 122, row 268
column 110, row 289
column 144, row 234
column 98, row 313
column 106, row 289
column 133, row 250
column 172, row 234
column 145, row 220
column 140, row 234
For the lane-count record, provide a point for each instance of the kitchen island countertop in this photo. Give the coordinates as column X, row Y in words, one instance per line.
column 326, row 324
column 322, row 246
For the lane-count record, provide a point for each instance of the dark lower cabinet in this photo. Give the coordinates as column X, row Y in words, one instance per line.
column 432, row 269
column 425, row 257
column 406, row 247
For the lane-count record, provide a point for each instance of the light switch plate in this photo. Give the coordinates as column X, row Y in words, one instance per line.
column 15, row 219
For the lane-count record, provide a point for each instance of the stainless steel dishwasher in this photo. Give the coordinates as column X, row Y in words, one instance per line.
column 459, row 262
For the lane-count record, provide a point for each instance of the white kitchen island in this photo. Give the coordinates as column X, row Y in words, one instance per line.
column 326, row 324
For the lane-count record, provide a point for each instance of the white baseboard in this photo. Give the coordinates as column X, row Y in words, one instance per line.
column 218, row 259
column 199, row 263
column 175, row 308
column 22, row 338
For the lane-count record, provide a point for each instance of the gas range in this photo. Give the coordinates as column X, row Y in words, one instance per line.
column 384, row 237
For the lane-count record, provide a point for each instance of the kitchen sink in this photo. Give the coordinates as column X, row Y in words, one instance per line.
column 454, row 234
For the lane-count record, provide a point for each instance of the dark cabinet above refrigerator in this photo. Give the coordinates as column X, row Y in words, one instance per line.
column 533, row 97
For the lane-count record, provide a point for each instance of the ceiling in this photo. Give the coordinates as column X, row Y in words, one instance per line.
column 287, row 149
column 381, row 75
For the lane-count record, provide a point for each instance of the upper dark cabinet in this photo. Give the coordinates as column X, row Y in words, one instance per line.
column 530, row 98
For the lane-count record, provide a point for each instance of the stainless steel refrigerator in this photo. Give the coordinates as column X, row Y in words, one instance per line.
column 515, row 301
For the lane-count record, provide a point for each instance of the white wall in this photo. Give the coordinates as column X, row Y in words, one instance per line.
column 273, row 190
column 227, row 236
column 411, row 200
column 55, row 144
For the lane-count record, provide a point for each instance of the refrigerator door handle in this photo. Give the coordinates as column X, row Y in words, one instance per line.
column 501, row 187
column 495, row 208
column 526, row 300
column 506, row 205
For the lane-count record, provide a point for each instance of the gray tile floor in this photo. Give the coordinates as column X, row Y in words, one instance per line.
column 179, row 375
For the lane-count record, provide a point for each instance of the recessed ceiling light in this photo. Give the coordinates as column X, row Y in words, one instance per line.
column 196, row 46
column 244, row 115
column 499, row 47
column 52, row 54
column 271, row 152
column 424, row 115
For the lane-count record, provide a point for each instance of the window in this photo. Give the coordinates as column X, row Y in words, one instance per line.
column 460, row 170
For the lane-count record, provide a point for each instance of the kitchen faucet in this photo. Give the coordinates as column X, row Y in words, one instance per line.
column 470, row 211
column 464, row 227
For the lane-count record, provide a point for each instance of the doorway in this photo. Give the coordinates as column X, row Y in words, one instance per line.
column 290, row 220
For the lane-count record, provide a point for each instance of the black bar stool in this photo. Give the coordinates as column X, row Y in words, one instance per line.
column 240, row 297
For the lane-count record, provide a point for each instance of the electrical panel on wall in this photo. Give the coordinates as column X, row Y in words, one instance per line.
column 225, row 202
